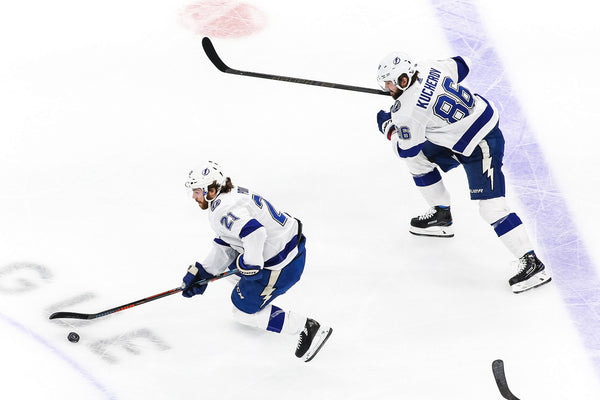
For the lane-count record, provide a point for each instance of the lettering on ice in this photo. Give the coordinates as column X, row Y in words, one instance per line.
column 428, row 88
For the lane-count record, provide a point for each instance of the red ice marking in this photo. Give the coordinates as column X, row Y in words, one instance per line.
column 222, row 18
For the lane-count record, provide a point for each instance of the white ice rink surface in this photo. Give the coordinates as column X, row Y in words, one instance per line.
column 104, row 108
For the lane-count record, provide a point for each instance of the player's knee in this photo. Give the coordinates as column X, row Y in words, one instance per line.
column 492, row 210
column 243, row 317
column 259, row 319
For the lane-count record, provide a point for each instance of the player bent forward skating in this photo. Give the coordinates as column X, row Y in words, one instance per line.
column 437, row 122
column 267, row 247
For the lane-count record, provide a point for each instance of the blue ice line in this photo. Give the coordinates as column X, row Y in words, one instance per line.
column 66, row 358
column 529, row 175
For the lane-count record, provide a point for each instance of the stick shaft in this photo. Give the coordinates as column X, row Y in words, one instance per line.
column 210, row 51
column 68, row 314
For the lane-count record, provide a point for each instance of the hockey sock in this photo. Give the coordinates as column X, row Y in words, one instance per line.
column 506, row 224
column 435, row 194
column 512, row 233
column 272, row 318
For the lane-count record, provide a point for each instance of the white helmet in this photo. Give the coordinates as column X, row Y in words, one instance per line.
column 205, row 175
column 393, row 66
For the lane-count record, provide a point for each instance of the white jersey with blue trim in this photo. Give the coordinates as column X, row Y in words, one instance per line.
column 439, row 109
column 245, row 222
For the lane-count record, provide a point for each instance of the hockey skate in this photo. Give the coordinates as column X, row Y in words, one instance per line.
column 312, row 338
column 532, row 273
column 437, row 222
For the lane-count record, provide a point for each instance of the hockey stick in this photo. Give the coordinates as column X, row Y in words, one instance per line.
column 498, row 370
column 210, row 51
column 67, row 314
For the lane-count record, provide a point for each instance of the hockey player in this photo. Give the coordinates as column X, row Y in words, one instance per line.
column 438, row 123
column 266, row 246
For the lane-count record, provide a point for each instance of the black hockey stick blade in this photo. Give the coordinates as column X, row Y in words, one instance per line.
column 500, row 377
column 212, row 55
column 74, row 315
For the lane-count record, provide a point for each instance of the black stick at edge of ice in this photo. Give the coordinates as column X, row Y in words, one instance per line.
column 500, row 377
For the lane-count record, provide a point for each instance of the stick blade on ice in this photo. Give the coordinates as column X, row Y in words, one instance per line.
column 67, row 314
column 500, row 377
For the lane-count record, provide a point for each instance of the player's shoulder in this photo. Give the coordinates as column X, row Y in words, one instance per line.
column 222, row 202
column 458, row 67
column 404, row 106
column 237, row 197
column 442, row 66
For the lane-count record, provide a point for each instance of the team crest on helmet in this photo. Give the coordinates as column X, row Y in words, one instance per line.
column 205, row 175
column 397, row 60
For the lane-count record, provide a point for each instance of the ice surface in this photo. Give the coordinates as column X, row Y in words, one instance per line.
column 106, row 106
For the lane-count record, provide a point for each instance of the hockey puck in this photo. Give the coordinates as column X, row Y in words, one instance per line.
column 73, row 337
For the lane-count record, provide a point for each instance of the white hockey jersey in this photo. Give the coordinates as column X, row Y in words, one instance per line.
column 437, row 108
column 244, row 222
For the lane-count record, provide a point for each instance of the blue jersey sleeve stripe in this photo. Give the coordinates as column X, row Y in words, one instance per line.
column 463, row 68
column 250, row 227
column 413, row 151
column 474, row 129
column 221, row 242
